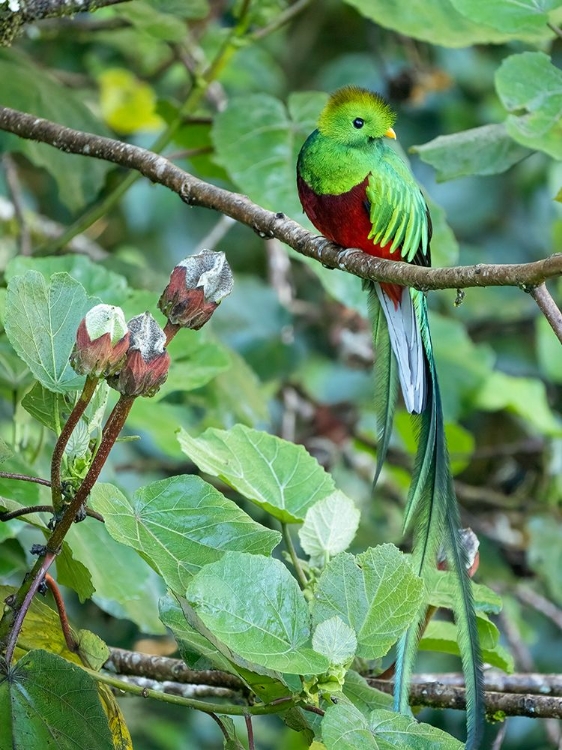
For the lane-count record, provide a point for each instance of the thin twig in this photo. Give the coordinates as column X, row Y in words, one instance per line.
column 281, row 20
column 24, row 478
column 71, row 642
column 75, row 415
column 250, row 731
column 548, row 307
column 540, row 604
column 9, row 515
column 268, row 224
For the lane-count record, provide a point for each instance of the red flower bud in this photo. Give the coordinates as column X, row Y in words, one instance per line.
column 102, row 341
column 197, row 286
column 146, row 366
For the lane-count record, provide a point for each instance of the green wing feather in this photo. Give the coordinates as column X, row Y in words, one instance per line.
column 398, row 211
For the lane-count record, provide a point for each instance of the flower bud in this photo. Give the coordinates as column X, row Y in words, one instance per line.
column 147, row 362
column 102, row 340
column 197, row 286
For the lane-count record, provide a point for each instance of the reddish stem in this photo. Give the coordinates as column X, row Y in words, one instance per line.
column 71, row 642
column 24, row 478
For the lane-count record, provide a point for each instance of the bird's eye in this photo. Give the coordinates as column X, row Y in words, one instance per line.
column 358, row 123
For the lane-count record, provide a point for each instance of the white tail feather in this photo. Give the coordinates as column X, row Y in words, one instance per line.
column 407, row 345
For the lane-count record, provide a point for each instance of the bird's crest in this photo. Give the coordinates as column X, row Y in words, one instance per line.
column 351, row 105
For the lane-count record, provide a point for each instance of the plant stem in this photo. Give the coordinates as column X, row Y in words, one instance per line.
column 9, row 515
column 207, row 707
column 303, row 581
column 71, row 643
column 24, row 478
column 12, row 619
column 85, row 397
column 548, row 307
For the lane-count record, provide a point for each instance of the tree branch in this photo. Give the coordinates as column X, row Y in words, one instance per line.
column 14, row 16
column 163, row 668
column 196, row 192
column 438, row 695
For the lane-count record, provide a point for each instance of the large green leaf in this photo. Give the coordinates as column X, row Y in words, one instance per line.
column 485, row 150
column 345, row 728
column 125, row 586
column 257, row 141
column 254, row 605
column 181, row 524
column 97, row 280
column 46, row 702
column 529, row 82
column 194, row 635
column 31, row 89
column 41, row 323
column 515, row 17
column 407, row 733
column 434, row 21
column 376, row 593
column 196, row 359
column 277, row 475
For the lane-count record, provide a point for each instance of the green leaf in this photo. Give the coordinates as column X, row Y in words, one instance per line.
column 362, row 695
column 41, row 323
column 545, row 552
column 181, row 524
column 530, row 82
column 406, row 733
column 434, row 21
column 377, row 594
column 558, row 196
column 48, row 408
column 5, row 451
column 329, row 527
column 231, row 741
column 257, row 140
column 485, row 150
column 125, row 585
column 525, row 397
column 196, row 360
column 190, row 641
column 549, row 351
column 49, row 703
column 28, row 88
column 442, row 636
column 15, row 376
column 97, row 280
column 335, row 640
column 254, row 605
column 441, row 589
column 345, row 728
column 41, row 629
column 192, row 633
column 514, row 17
column 275, row 474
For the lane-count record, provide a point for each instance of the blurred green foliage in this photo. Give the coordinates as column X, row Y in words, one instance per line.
column 478, row 90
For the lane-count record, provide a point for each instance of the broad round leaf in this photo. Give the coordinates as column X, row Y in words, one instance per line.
column 274, row 473
column 254, row 605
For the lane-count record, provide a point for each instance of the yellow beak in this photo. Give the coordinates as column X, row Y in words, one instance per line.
column 390, row 134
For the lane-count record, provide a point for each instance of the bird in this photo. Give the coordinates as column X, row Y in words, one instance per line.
column 359, row 193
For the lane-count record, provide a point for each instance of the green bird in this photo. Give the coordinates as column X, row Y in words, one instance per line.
column 359, row 193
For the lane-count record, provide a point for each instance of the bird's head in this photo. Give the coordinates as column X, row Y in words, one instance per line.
column 356, row 117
